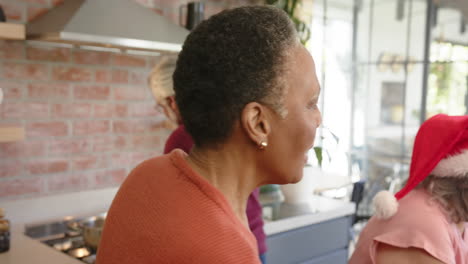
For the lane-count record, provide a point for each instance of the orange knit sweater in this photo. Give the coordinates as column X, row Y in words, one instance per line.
column 164, row 212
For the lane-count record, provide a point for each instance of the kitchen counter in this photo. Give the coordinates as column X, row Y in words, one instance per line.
column 24, row 250
column 317, row 209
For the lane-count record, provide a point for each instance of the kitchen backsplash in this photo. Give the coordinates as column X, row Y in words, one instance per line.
column 88, row 115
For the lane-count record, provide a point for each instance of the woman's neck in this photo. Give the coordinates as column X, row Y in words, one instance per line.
column 230, row 172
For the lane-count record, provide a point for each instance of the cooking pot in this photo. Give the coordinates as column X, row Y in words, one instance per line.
column 90, row 228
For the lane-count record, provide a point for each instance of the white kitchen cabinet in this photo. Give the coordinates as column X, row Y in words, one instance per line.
column 321, row 243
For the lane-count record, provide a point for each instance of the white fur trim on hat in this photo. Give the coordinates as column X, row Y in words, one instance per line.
column 385, row 205
column 453, row 166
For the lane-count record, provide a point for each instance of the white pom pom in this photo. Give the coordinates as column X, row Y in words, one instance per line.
column 385, row 205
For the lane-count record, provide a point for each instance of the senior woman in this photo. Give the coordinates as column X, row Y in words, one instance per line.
column 247, row 93
column 428, row 223
column 160, row 81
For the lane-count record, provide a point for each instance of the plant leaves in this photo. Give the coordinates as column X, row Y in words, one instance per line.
column 319, row 154
column 289, row 6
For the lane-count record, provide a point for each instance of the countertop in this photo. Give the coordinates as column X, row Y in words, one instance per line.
column 285, row 216
column 24, row 250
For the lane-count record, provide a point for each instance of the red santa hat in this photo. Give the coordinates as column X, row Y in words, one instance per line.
column 440, row 149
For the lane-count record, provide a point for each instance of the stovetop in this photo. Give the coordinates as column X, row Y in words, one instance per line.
column 61, row 237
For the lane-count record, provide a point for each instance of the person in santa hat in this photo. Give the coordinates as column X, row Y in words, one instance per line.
column 425, row 221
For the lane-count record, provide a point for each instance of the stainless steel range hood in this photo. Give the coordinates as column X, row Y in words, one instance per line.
column 122, row 24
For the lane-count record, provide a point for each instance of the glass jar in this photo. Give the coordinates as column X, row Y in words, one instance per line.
column 4, row 232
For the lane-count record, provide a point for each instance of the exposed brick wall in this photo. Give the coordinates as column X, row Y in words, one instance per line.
column 88, row 115
column 27, row 10
column 89, row 118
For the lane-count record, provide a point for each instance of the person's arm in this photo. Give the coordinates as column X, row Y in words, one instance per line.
column 387, row 254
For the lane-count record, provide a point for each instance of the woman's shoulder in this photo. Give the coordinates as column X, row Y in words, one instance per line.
column 421, row 209
column 418, row 215
column 156, row 161
column 419, row 223
column 161, row 168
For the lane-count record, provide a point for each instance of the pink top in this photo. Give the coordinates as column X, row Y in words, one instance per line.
column 420, row 222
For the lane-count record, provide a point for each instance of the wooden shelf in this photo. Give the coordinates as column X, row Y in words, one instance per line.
column 12, row 31
column 11, row 134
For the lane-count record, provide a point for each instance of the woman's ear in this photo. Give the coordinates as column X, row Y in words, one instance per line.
column 255, row 122
column 171, row 102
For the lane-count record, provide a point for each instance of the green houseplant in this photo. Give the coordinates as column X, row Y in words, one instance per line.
column 289, row 6
column 320, row 151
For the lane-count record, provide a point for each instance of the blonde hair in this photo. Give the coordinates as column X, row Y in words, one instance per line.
column 451, row 193
column 160, row 79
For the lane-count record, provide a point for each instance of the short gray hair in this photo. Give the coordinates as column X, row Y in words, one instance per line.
column 229, row 60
